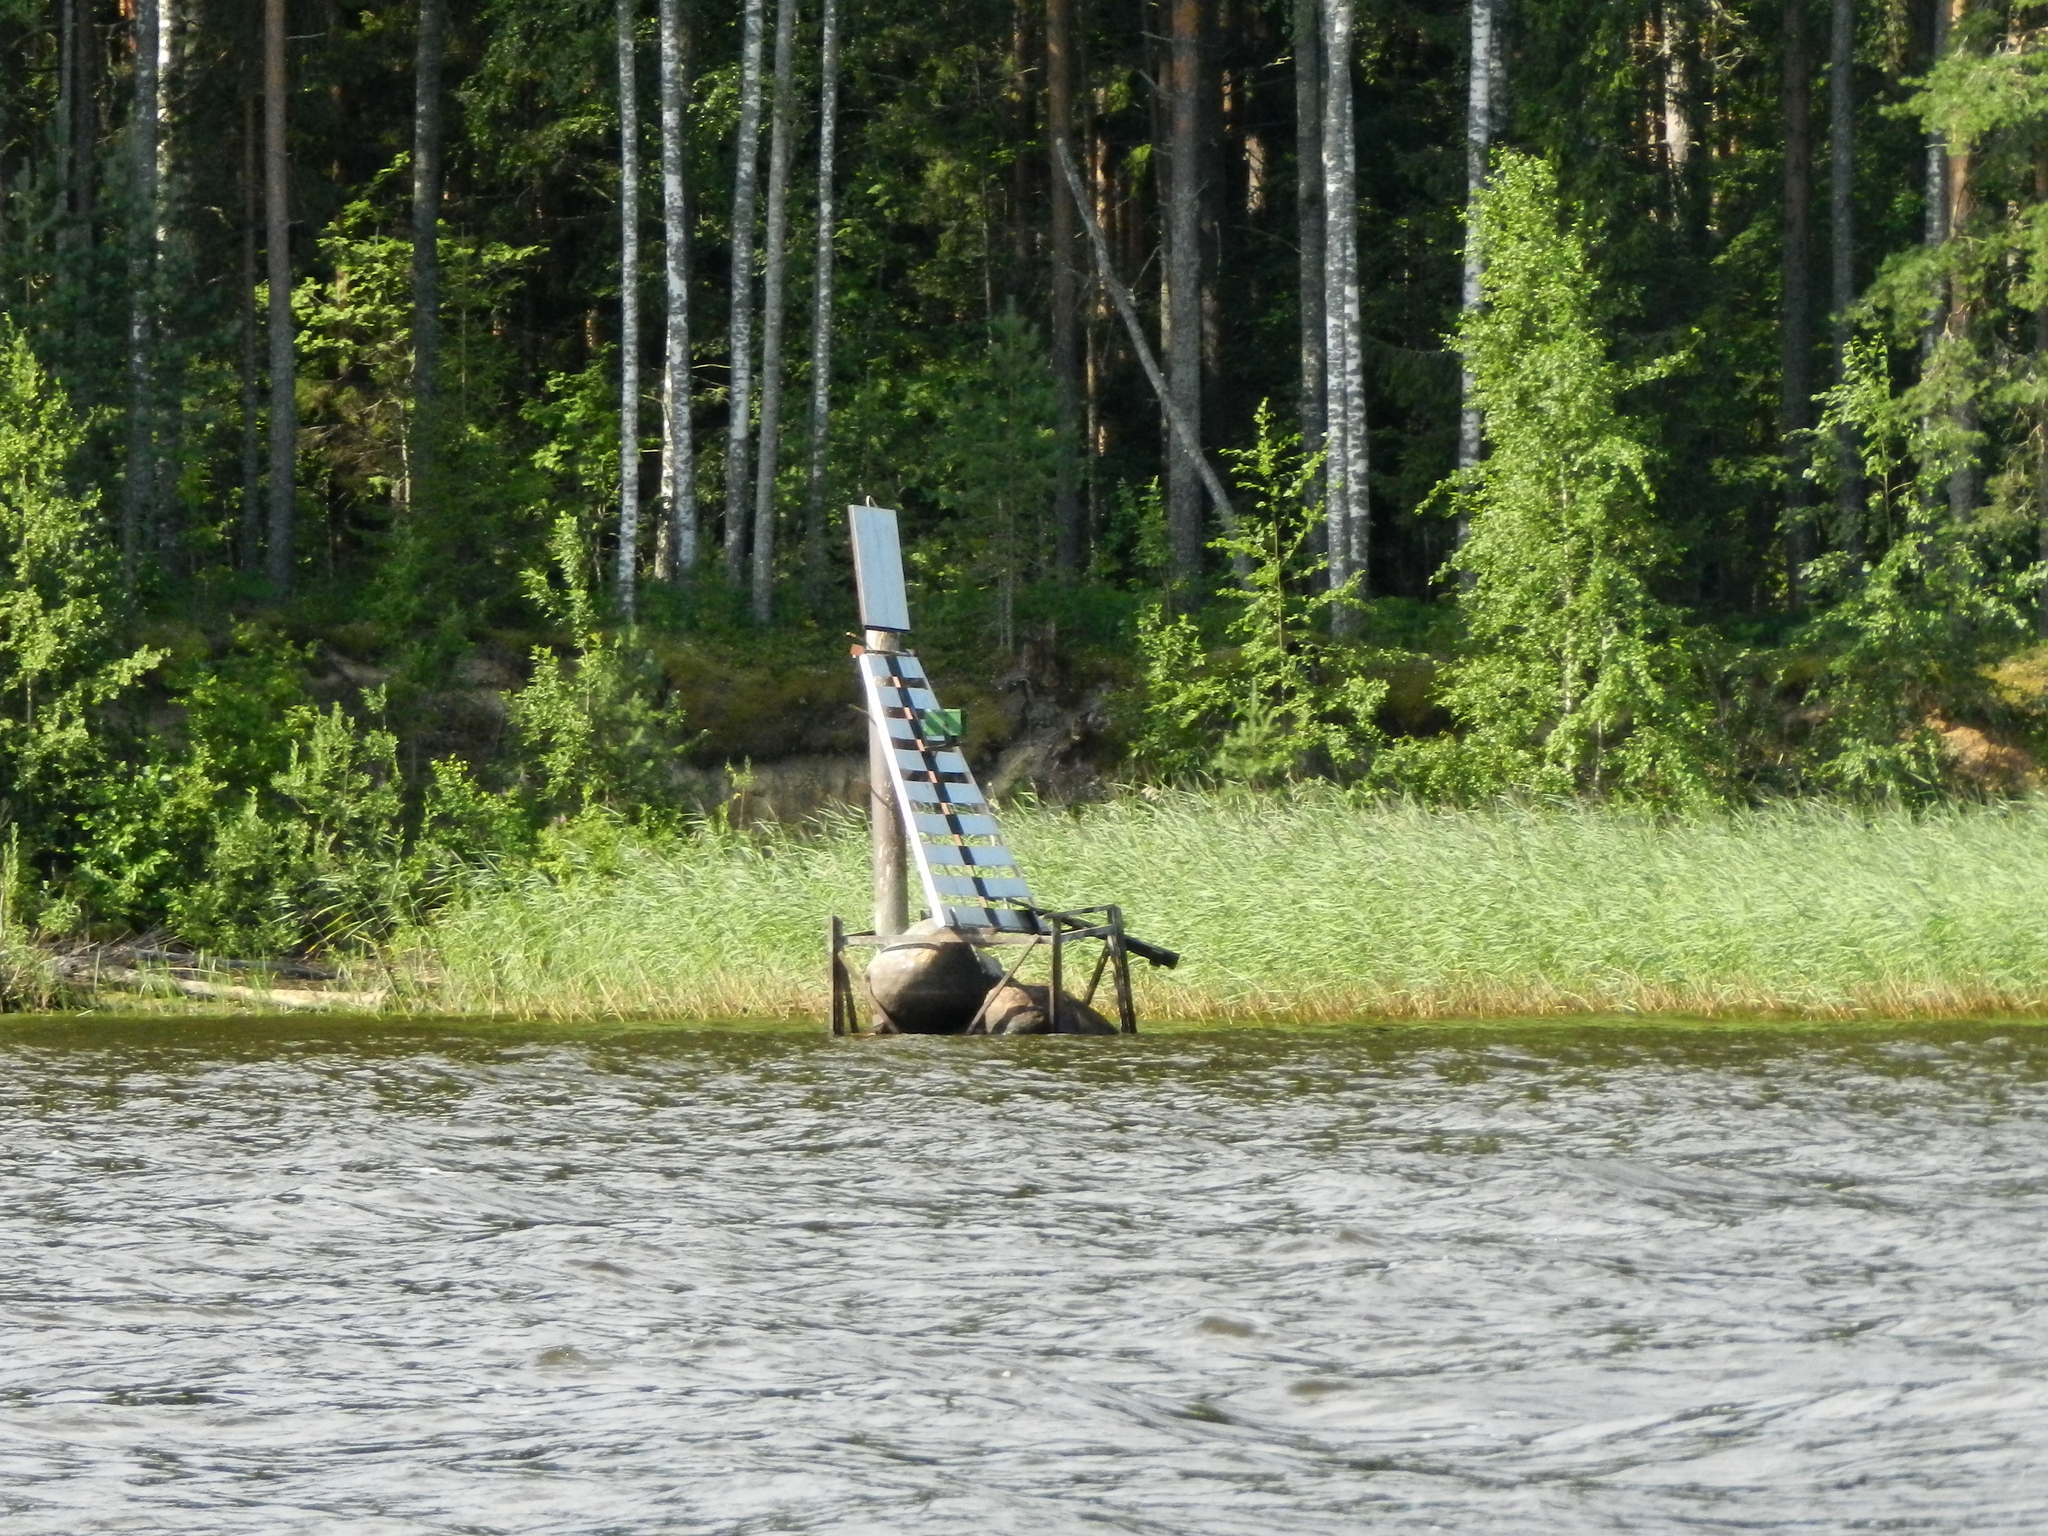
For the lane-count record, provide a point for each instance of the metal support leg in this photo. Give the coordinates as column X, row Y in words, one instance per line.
column 1053, row 1000
column 1120, row 958
column 842, row 984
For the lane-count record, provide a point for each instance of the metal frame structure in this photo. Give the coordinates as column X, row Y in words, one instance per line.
column 1053, row 929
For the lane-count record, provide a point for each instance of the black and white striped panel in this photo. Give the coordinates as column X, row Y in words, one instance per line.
column 969, row 884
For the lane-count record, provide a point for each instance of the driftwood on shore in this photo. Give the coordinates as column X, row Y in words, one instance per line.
column 141, row 968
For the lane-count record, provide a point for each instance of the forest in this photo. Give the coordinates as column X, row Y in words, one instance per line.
column 427, row 427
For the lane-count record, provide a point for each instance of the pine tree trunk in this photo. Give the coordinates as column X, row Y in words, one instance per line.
column 678, row 553
column 1842, row 252
column 772, row 315
column 1183, row 299
column 821, row 306
column 1963, row 488
column 252, row 429
column 740, row 332
column 426, row 245
column 2041, row 414
column 629, row 312
column 1308, row 181
column 1795, row 336
column 284, row 410
column 1066, row 288
column 1345, row 437
column 139, row 486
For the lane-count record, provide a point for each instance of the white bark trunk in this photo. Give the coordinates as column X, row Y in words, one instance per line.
column 821, row 300
column 1345, row 436
column 629, row 313
column 740, row 332
column 1842, row 239
column 772, row 312
column 678, row 446
column 1480, row 126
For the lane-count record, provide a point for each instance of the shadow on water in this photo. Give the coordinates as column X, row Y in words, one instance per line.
column 433, row 1275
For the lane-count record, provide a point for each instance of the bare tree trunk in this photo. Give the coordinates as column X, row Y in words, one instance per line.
column 426, row 243
column 1479, row 131
column 1346, row 441
column 284, row 408
column 1963, row 486
column 139, row 485
column 629, row 312
column 1183, row 299
column 1795, row 336
column 821, row 305
column 1308, row 177
column 740, row 332
column 2041, row 416
column 678, row 552
column 1842, row 254
column 252, row 438
column 772, row 316
column 1066, row 289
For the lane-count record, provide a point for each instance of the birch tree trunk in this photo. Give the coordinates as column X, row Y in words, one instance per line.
column 284, row 410
column 1345, row 439
column 1842, row 252
column 740, row 331
column 678, row 552
column 139, row 484
column 1479, row 130
column 1308, row 176
column 426, row 246
column 1795, row 336
column 629, row 313
column 1183, row 298
column 1066, row 288
column 821, row 305
column 772, row 316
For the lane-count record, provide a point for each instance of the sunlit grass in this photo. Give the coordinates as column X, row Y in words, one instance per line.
column 1307, row 908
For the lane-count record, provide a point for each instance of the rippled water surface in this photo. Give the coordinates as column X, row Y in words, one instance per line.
column 274, row 1277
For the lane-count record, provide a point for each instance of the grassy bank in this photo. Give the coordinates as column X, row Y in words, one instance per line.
column 1309, row 909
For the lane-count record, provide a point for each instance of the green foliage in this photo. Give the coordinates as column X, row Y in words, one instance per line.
column 1574, row 679
column 1909, row 634
column 1279, row 702
column 61, row 662
column 592, row 727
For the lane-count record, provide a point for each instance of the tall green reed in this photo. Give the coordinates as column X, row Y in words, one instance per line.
column 1307, row 906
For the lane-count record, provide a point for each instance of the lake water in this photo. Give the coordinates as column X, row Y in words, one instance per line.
column 381, row 1278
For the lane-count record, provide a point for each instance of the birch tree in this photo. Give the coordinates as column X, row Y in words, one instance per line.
column 678, row 551
column 772, row 311
column 740, row 330
column 629, row 312
column 821, row 303
column 284, row 410
column 1481, row 87
column 1347, row 448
